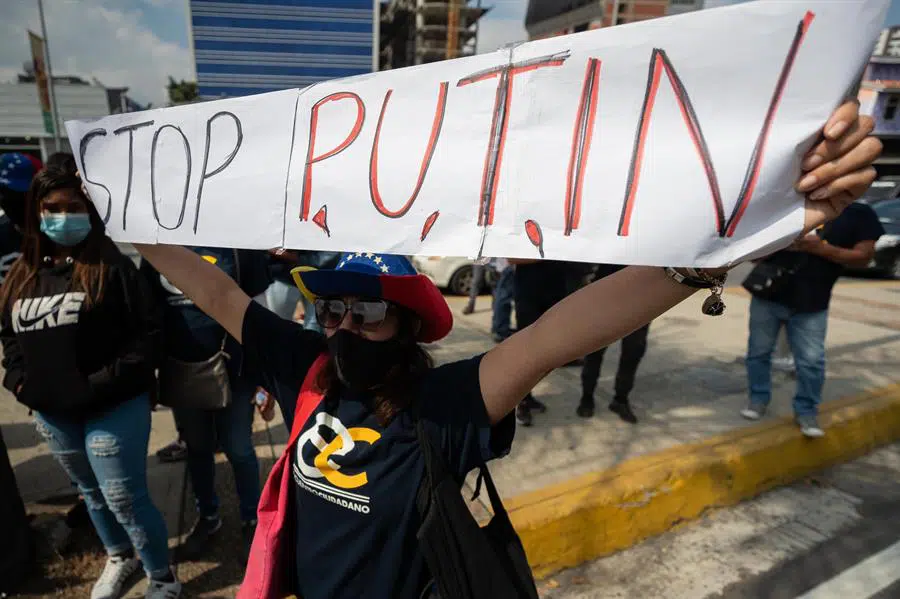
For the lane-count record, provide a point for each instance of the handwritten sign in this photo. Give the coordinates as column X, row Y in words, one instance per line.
column 673, row 141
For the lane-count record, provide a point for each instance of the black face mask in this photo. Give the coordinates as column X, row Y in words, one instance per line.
column 362, row 363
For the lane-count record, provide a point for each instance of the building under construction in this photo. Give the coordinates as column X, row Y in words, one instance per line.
column 548, row 18
column 421, row 31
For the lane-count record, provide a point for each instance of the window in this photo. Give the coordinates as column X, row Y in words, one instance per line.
column 579, row 28
column 891, row 106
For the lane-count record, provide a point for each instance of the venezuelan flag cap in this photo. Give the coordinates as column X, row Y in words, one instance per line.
column 383, row 276
column 17, row 170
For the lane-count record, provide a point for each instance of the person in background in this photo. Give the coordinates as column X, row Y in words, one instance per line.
column 538, row 286
column 633, row 347
column 80, row 347
column 800, row 306
column 17, row 557
column 502, row 296
column 475, row 287
column 191, row 336
column 501, row 317
column 282, row 295
column 16, row 172
column 63, row 161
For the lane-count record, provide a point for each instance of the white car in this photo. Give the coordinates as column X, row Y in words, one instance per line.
column 452, row 274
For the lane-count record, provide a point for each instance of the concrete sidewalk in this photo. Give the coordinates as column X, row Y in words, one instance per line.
column 690, row 388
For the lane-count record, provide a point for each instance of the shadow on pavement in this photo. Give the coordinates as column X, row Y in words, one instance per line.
column 21, row 435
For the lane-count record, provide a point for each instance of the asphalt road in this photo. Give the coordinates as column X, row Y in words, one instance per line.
column 861, row 562
column 832, row 536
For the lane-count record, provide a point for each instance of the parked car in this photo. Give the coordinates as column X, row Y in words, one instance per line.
column 885, row 188
column 887, row 249
column 452, row 274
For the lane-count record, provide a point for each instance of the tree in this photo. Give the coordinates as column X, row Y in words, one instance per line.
column 181, row 91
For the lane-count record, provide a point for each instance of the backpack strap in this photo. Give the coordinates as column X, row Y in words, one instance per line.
column 435, row 470
column 434, row 467
column 309, row 398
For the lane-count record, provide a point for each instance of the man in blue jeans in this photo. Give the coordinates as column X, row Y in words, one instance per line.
column 501, row 318
column 799, row 302
column 501, row 306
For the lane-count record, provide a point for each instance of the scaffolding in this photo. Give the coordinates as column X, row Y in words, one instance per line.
column 422, row 31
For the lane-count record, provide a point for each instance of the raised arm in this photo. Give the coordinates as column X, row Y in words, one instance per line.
column 837, row 171
column 587, row 320
column 210, row 288
column 856, row 257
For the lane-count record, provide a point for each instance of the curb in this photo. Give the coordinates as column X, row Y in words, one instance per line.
column 596, row 514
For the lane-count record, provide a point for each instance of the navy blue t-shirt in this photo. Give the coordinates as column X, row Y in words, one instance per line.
column 189, row 334
column 355, row 481
column 809, row 288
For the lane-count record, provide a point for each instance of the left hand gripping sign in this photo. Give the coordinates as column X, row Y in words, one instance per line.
column 600, row 147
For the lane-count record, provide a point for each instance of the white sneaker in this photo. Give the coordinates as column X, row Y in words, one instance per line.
column 115, row 573
column 163, row 590
column 784, row 364
column 809, row 426
column 753, row 411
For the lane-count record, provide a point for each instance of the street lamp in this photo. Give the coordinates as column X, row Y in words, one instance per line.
column 55, row 114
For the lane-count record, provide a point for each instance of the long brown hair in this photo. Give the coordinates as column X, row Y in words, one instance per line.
column 398, row 388
column 91, row 260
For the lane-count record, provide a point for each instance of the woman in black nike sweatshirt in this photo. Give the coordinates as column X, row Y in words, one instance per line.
column 79, row 341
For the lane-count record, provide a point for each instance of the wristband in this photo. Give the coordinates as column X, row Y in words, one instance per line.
column 698, row 279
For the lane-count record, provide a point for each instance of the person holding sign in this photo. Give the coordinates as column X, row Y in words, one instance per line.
column 80, row 345
column 366, row 388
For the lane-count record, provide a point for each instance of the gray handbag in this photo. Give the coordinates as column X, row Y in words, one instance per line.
column 198, row 385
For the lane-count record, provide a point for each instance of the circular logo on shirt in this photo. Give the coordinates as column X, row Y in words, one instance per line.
column 342, row 444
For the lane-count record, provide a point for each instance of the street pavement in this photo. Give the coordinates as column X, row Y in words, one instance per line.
column 832, row 536
column 691, row 386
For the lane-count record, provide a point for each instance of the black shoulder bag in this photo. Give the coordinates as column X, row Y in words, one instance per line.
column 466, row 560
column 767, row 279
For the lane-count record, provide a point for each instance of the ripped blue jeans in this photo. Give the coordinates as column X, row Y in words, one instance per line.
column 106, row 456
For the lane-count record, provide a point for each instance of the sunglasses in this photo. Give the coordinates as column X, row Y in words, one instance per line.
column 366, row 314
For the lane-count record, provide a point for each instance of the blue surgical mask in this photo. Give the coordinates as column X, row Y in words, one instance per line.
column 65, row 228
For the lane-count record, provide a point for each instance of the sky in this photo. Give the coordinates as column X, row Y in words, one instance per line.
column 139, row 43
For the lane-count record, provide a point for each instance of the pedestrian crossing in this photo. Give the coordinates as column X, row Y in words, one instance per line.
column 864, row 580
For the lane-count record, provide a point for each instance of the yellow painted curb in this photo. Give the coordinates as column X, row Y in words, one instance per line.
column 599, row 513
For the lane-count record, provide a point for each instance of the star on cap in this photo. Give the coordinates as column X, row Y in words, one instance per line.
column 377, row 259
column 384, row 268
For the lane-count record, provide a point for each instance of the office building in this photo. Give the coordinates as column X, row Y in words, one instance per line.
column 244, row 47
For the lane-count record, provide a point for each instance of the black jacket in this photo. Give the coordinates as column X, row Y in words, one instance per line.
column 75, row 361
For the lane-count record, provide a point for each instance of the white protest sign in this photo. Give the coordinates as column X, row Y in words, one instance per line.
column 675, row 141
